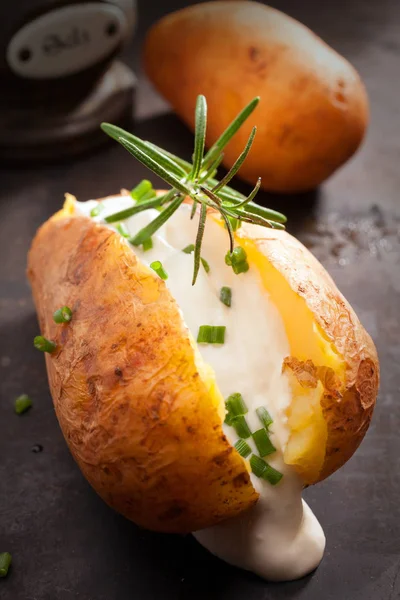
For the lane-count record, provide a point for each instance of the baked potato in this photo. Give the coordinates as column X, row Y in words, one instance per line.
column 313, row 112
column 186, row 405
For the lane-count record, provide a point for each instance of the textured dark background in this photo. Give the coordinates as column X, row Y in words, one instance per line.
column 66, row 543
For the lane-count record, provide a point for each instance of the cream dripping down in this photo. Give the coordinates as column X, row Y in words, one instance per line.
column 280, row 538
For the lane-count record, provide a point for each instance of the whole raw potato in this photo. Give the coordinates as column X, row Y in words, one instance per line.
column 314, row 108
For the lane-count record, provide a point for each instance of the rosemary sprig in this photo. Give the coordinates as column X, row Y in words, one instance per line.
column 196, row 181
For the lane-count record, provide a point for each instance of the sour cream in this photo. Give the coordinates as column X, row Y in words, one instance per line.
column 280, row 538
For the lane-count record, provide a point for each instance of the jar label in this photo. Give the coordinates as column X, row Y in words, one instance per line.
column 67, row 40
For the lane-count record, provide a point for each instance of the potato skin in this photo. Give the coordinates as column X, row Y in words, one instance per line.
column 313, row 111
column 348, row 416
column 139, row 419
column 132, row 405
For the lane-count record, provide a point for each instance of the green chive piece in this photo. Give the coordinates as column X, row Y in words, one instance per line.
column 205, row 265
column 237, row 256
column 264, row 417
column 258, row 465
column 44, row 345
column 209, row 334
column 237, row 260
column 263, row 443
column 241, row 427
column 148, row 196
column 122, row 230
column 63, row 315
column 97, row 210
column 228, row 419
column 141, row 189
column 147, row 245
column 235, row 405
column 240, row 268
column 243, row 448
column 263, row 470
column 225, row 296
column 159, row 269
column 22, row 404
column 272, row 475
column 188, row 249
column 5, row 562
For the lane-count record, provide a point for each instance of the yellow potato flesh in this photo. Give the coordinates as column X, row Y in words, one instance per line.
column 308, row 429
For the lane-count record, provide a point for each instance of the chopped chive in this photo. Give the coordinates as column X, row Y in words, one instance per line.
column 5, row 562
column 209, row 334
column 240, row 268
column 243, row 448
column 159, row 269
column 205, row 265
column 241, row 427
column 272, row 475
column 263, row 470
column 22, row 404
column 147, row 245
column 43, row 344
column 141, row 189
column 235, row 405
column 228, row 419
column 97, row 210
column 225, row 296
column 148, row 196
column 263, row 443
column 237, row 256
column 237, row 260
column 264, row 417
column 258, row 465
column 122, row 230
column 63, row 315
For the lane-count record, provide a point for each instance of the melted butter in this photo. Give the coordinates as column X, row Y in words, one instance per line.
column 280, row 538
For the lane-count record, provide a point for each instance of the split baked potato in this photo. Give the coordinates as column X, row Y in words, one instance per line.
column 139, row 407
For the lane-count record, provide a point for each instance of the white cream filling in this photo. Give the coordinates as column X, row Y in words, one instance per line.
column 280, row 538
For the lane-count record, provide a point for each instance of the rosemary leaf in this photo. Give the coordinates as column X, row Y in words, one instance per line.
column 199, row 240
column 267, row 213
column 133, row 210
column 230, row 132
column 237, row 164
column 159, row 157
column 186, row 166
column 156, row 167
column 199, row 136
column 146, row 233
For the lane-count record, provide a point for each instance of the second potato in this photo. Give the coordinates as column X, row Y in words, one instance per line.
column 313, row 111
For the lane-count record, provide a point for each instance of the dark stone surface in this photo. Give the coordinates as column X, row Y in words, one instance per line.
column 66, row 544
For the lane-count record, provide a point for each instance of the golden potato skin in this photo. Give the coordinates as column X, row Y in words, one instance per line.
column 133, row 407
column 348, row 416
column 313, row 110
column 134, row 410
